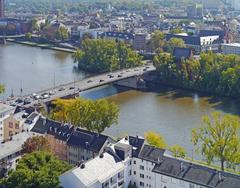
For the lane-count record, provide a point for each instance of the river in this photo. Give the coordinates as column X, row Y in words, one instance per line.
column 171, row 112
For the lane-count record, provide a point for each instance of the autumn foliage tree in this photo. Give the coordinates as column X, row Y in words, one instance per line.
column 36, row 143
column 2, row 88
column 92, row 115
column 155, row 139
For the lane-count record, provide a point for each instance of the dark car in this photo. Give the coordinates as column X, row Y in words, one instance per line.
column 119, row 76
column 101, row 81
column 71, row 88
column 89, row 81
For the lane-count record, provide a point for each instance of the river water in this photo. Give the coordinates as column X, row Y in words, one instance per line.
column 172, row 113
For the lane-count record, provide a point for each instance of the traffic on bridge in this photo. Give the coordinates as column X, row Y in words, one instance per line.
column 72, row 89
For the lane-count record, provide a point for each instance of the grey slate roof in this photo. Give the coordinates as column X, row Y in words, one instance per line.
column 136, row 143
column 151, row 153
column 182, row 53
column 40, row 126
column 87, row 140
column 196, row 174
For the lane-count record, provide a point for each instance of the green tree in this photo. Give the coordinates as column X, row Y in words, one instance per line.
column 2, row 89
column 93, row 115
column 36, row 143
column 106, row 55
column 34, row 25
column 36, row 170
column 157, row 41
column 178, row 151
column 155, row 139
column 176, row 30
column 173, row 43
column 28, row 36
column 62, row 33
column 218, row 138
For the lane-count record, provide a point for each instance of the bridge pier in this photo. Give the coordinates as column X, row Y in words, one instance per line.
column 134, row 82
column 2, row 41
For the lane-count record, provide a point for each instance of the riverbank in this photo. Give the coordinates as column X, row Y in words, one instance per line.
column 154, row 81
column 42, row 46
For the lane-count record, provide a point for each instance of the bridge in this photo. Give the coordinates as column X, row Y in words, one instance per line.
column 73, row 89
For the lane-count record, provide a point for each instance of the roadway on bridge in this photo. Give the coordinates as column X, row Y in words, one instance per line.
column 74, row 88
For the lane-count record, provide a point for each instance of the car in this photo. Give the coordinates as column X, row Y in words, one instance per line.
column 61, row 89
column 89, row 81
column 34, row 94
column 26, row 101
column 71, row 88
column 119, row 76
column 135, row 69
column 18, row 101
column 101, row 81
column 145, row 69
column 51, row 93
column 111, row 76
column 122, row 73
column 45, row 96
column 37, row 97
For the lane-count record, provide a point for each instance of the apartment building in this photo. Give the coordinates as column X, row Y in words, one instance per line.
column 232, row 48
column 83, row 145
column 5, row 111
column 144, row 166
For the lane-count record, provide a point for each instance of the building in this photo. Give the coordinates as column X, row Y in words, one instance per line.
column 232, row 48
column 11, row 151
column 122, row 36
column 195, row 11
column 199, row 43
column 144, row 166
column 5, row 111
column 83, row 145
column 2, row 8
column 57, row 136
column 139, row 41
column 12, row 125
column 103, row 171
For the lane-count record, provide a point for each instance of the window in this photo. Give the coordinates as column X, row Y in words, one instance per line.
column 141, row 167
column 134, row 172
column 16, row 126
column 191, row 185
column 141, row 175
column 141, row 184
column 10, row 133
column 10, row 125
column 164, row 179
column 134, row 162
column 130, row 172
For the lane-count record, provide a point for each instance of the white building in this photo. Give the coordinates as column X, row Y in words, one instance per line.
column 100, row 172
column 233, row 48
column 5, row 111
column 144, row 166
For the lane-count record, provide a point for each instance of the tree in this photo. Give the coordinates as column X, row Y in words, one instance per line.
column 36, row 143
column 62, row 33
column 36, row 170
column 218, row 138
column 176, row 30
column 173, row 43
column 178, row 151
column 28, row 36
column 157, row 41
column 34, row 25
column 101, row 55
column 92, row 115
column 155, row 139
column 2, row 88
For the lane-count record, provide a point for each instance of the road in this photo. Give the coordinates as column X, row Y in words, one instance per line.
column 74, row 88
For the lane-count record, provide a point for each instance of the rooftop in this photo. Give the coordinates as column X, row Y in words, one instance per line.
column 5, row 108
column 232, row 44
column 96, row 170
column 15, row 145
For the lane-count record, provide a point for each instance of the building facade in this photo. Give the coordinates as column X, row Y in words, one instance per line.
column 2, row 8
column 5, row 111
column 233, row 48
column 144, row 166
